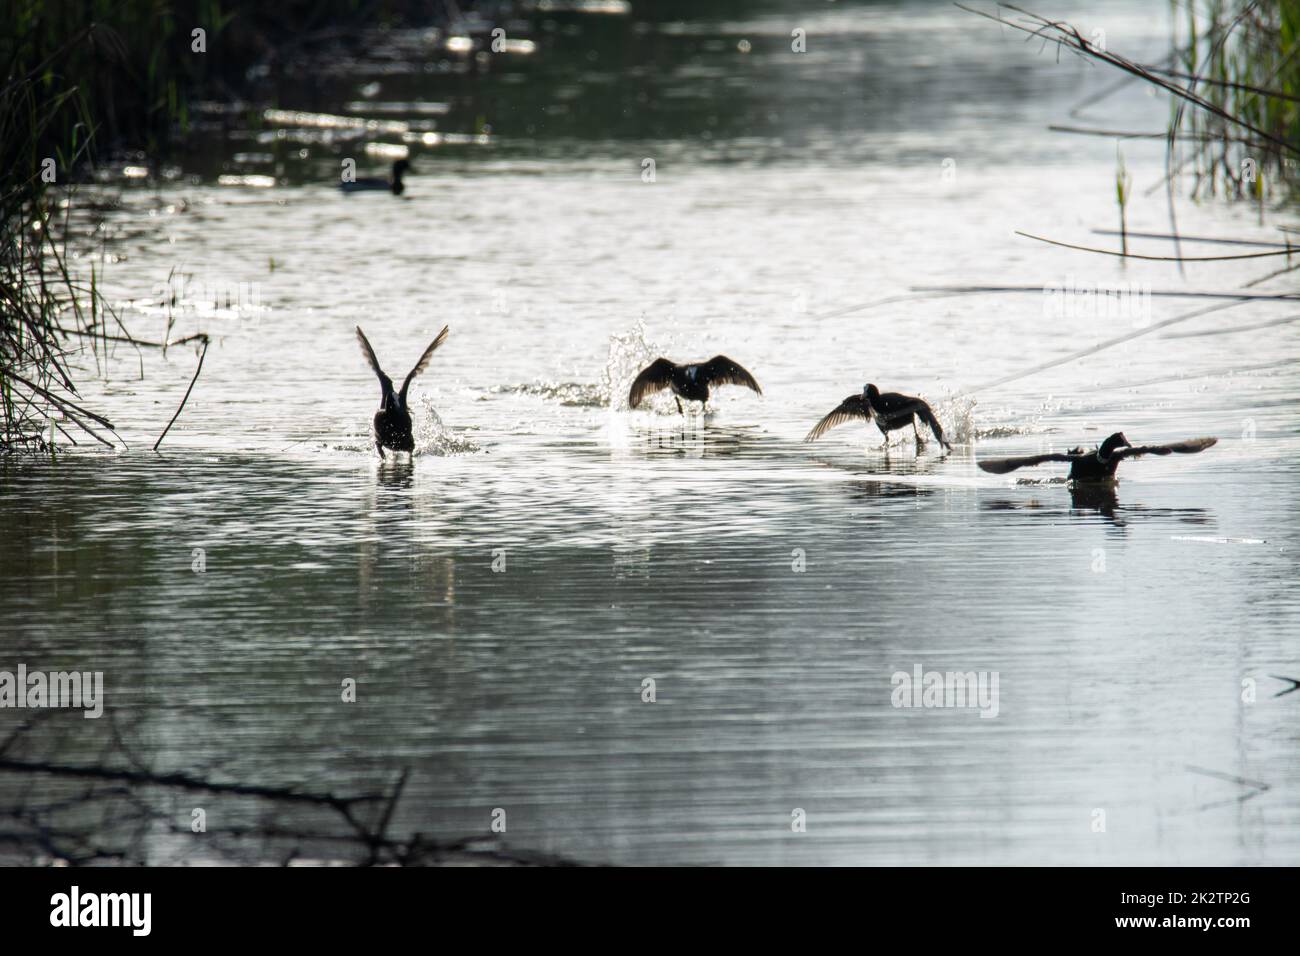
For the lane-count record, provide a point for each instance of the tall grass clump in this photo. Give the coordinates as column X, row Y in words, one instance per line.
column 44, row 133
column 1243, row 58
column 1234, row 86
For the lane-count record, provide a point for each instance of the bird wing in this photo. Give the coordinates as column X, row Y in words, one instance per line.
column 721, row 370
column 1000, row 466
column 424, row 360
column 855, row 406
column 1189, row 447
column 369, row 353
column 652, row 378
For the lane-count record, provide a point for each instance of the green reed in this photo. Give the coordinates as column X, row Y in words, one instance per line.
column 1244, row 58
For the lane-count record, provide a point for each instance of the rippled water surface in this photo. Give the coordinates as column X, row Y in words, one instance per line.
column 501, row 600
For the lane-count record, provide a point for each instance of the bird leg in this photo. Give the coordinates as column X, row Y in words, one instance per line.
column 680, row 411
column 920, row 442
column 379, row 448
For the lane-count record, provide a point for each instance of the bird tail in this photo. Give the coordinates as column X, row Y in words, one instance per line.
column 926, row 415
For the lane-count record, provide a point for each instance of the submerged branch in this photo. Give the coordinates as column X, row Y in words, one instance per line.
column 42, row 829
column 185, row 782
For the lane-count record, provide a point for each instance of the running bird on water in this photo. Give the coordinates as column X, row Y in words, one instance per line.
column 691, row 382
column 1098, row 464
column 889, row 410
column 393, row 420
column 374, row 183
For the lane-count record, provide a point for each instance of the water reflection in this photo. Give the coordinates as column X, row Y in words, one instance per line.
column 694, row 438
column 1103, row 500
column 1094, row 497
column 396, row 471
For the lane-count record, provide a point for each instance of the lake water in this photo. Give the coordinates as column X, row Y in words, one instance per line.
column 501, row 602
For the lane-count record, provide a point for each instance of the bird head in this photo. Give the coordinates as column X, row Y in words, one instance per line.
column 871, row 392
column 401, row 166
column 1111, row 445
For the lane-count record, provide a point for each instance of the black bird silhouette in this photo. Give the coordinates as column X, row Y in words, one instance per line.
column 691, row 382
column 373, row 183
column 1098, row 464
column 890, row 411
column 393, row 420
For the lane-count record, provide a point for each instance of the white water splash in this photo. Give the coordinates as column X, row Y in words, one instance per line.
column 629, row 353
column 573, row 394
column 432, row 437
column 957, row 415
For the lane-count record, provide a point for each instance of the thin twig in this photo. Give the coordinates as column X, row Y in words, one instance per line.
column 1135, row 134
column 1134, row 255
column 1245, row 87
column 181, row 407
column 1159, row 293
column 186, row 782
column 1211, row 239
column 198, row 336
column 1093, row 349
